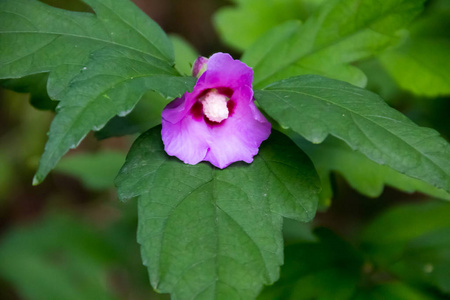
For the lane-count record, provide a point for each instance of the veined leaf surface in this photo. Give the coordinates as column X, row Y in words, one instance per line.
column 216, row 234
column 99, row 64
column 37, row 38
column 337, row 34
column 421, row 64
column 315, row 106
column 363, row 174
column 111, row 84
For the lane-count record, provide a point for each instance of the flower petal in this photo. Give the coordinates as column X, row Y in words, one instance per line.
column 238, row 137
column 177, row 109
column 223, row 71
column 199, row 66
column 186, row 139
column 192, row 137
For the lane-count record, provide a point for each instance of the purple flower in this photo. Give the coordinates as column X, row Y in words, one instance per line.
column 218, row 122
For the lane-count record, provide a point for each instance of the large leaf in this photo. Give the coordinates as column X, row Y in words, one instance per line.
column 315, row 107
column 112, row 83
column 110, row 59
column 421, row 64
column 257, row 17
column 364, row 175
column 340, row 32
column 37, row 38
column 147, row 113
column 216, row 234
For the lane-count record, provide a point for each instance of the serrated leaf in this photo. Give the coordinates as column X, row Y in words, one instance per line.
column 111, row 84
column 364, row 175
column 37, row 38
column 145, row 115
column 110, row 59
column 315, row 106
column 216, row 234
column 421, row 64
column 340, row 32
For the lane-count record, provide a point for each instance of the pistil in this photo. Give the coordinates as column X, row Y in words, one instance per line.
column 215, row 106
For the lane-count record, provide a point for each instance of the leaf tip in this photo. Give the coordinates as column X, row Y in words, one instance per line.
column 123, row 197
column 37, row 180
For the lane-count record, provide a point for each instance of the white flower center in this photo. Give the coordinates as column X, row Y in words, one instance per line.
column 215, row 106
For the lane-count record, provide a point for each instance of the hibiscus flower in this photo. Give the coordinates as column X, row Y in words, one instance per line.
column 218, row 121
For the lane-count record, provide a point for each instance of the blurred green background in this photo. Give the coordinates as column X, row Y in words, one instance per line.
column 70, row 237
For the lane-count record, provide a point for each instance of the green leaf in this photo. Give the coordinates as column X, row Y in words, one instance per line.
column 381, row 83
column 35, row 84
column 145, row 115
column 256, row 54
column 96, row 170
column 339, row 33
column 185, row 55
column 387, row 236
column 426, row 259
column 417, row 253
column 393, row 290
column 216, row 234
column 315, row 107
column 41, row 38
column 364, row 175
column 421, row 64
column 257, row 17
column 111, row 84
column 295, row 231
column 57, row 258
column 326, row 269
column 110, row 59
